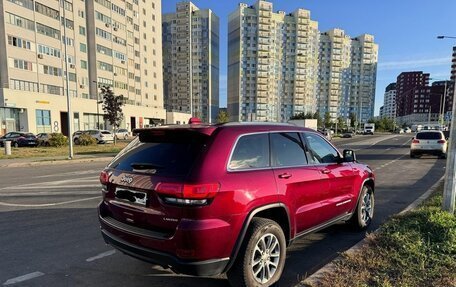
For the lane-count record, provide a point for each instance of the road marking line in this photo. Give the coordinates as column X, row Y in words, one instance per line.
column 48, row 204
column 101, row 255
column 23, row 278
column 390, row 162
column 49, row 193
column 50, row 187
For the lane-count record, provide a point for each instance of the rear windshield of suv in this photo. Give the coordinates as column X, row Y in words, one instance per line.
column 161, row 153
column 428, row 136
column 106, row 132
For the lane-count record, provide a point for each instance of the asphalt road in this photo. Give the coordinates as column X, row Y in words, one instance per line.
column 49, row 233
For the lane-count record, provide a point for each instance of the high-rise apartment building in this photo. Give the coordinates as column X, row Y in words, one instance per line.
column 389, row 102
column 347, row 76
column 191, row 61
column 272, row 63
column 93, row 43
column 405, row 85
column 335, row 74
column 453, row 65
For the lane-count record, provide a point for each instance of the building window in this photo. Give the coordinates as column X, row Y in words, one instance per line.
column 23, row 85
column 19, row 21
column 47, row 11
column 21, row 43
column 82, row 30
column 54, row 52
column 48, row 31
column 68, row 5
column 23, row 65
column 83, row 47
column 84, row 64
column 67, row 23
column 104, row 50
column 49, row 70
column 43, row 121
column 24, row 3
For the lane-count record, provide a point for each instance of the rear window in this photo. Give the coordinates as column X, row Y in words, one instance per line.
column 161, row 153
column 429, row 136
column 105, row 132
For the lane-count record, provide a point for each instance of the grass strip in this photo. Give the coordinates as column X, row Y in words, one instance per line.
column 417, row 248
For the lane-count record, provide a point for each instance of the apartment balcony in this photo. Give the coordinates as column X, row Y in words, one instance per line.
column 301, row 59
column 303, row 21
column 264, row 27
column 300, row 90
column 262, row 47
column 262, row 81
column 262, row 74
column 302, row 33
column 264, row 20
column 264, row 13
column 262, row 87
column 264, row 35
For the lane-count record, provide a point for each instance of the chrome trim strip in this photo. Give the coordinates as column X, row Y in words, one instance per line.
column 343, row 202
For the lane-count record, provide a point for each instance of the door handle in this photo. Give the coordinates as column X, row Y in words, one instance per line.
column 285, row 175
column 325, row 171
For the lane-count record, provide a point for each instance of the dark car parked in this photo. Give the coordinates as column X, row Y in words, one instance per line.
column 19, row 139
column 211, row 199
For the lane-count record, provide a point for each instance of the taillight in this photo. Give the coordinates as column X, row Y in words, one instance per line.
column 104, row 180
column 187, row 194
column 441, row 141
column 415, row 141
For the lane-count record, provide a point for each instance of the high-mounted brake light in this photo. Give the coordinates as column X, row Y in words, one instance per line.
column 194, row 121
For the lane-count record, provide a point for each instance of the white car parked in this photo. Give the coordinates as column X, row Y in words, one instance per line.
column 429, row 142
column 122, row 134
column 102, row 136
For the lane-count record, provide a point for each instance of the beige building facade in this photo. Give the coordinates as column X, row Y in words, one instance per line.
column 191, row 61
column 46, row 42
column 272, row 63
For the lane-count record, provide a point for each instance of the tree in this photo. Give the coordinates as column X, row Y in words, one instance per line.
column 353, row 120
column 112, row 107
column 327, row 120
column 341, row 123
column 223, row 117
column 318, row 118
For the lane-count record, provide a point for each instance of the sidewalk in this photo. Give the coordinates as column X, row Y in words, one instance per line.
column 35, row 161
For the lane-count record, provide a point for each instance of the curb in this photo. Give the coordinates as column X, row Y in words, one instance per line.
column 56, row 162
column 315, row 279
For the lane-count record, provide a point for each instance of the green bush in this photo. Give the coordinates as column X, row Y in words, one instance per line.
column 86, row 140
column 58, row 140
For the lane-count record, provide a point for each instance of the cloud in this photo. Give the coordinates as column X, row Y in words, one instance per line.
column 414, row 64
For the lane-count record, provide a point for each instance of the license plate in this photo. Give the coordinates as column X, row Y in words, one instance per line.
column 132, row 196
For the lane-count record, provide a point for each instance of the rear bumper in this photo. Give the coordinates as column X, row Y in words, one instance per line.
column 197, row 268
column 427, row 151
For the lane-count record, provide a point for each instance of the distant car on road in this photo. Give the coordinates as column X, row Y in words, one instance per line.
column 429, row 142
column 19, row 139
column 408, row 130
column 122, row 134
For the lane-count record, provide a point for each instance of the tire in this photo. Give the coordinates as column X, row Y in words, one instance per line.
column 76, row 141
column 362, row 217
column 443, row 156
column 15, row 144
column 261, row 233
column 47, row 144
column 412, row 155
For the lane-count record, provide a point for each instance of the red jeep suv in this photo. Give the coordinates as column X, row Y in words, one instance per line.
column 208, row 199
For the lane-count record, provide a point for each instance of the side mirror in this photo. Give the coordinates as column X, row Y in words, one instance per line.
column 349, row 155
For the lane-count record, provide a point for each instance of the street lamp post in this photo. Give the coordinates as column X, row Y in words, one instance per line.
column 449, row 190
column 70, row 116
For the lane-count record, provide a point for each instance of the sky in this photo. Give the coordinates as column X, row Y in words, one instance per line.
column 405, row 30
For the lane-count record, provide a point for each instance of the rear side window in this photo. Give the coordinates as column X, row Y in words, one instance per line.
column 161, row 154
column 251, row 151
column 287, row 150
column 428, row 136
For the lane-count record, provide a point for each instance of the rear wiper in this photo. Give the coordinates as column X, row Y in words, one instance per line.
column 145, row 165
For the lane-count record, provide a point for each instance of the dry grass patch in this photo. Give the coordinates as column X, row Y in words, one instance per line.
column 25, row 152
